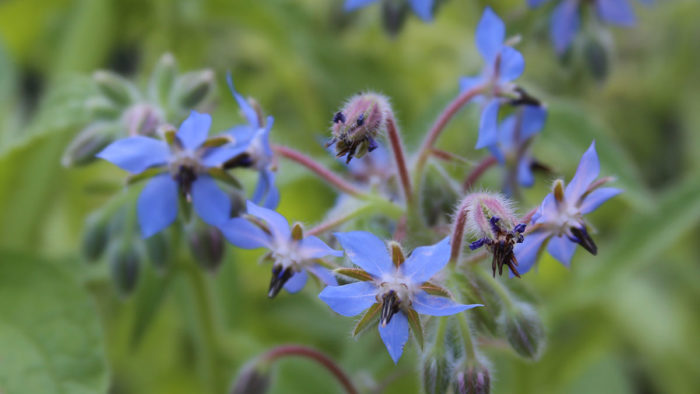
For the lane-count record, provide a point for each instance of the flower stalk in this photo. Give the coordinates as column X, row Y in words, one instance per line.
column 397, row 148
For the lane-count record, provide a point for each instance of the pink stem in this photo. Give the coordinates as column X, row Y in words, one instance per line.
column 477, row 172
column 397, row 148
column 458, row 230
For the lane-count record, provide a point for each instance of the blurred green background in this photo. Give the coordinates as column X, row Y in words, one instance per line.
column 626, row 321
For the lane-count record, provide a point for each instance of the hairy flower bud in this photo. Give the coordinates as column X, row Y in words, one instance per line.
column 358, row 123
column 163, row 78
column 142, row 119
column 158, row 251
column 254, row 378
column 95, row 238
column 437, row 373
column 524, row 330
column 90, row 141
column 124, row 262
column 115, row 88
column 207, row 246
column 194, row 88
column 473, row 380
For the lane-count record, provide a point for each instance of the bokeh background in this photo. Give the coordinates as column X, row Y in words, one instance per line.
column 626, row 321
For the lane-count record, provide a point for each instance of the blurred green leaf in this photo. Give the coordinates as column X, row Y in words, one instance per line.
column 50, row 337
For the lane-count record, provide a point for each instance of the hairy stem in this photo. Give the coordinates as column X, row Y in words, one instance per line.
column 466, row 332
column 399, row 157
column 477, row 172
column 315, row 355
column 460, row 223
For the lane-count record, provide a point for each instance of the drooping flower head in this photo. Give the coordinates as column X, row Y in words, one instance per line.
column 292, row 253
column 491, row 220
column 255, row 136
column 392, row 286
column 182, row 166
column 512, row 151
column 502, row 65
column 358, row 123
column 422, row 8
column 559, row 221
column 565, row 19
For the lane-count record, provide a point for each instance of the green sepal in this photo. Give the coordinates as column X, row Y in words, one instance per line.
column 223, row 176
column 366, row 319
column 355, row 273
column 147, row 174
column 414, row 322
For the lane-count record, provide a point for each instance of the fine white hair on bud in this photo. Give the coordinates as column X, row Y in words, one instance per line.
column 358, row 123
column 481, row 207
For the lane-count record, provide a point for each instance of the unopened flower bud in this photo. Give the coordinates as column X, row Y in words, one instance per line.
column 254, row 378
column 437, row 373
column 89, row 142
column 158, row 251
column 163, row 78
column 474, row 379
column 193, row 89
column 115, row 88
column 524, row 330
column 102, row 108
column 358, row 123
column 142, row 119
column 95, row 238
column 207, row 246
column 124, row 263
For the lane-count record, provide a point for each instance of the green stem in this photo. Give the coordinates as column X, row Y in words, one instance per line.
column 501, row 291
column 439, row 346
column 464, row 329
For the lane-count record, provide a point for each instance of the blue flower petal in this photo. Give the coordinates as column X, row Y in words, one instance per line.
column 277, row 223
column 562, row 249
column 490, row 34
column 564, row 24
column 296, row 282
column 242, row 134
column 597, row 197
column 136, row 154
column 426, row 261
column 512, row 65
column 313, row 248
column 210, row 202
column 587, row 171
column 157, row 204
column 533, row 119
column 352, row 5
column 245, row 234
column 349, row 300
column 423, row 8
column 526, row 252
column 194, row 130
column 395, row 335
column 535, row 3
column 466, row 83
column 324, row 274
column 433, row 305
column 488, row 125
column 366, row 251
column 248, row 111
column 215, row 157
column 266, row 193
column 525, row 177
column 616, row 12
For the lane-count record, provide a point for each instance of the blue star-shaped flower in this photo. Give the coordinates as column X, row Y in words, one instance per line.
column 565, row 19
column 397, row 288
column 256, row 138
column 512, row 149
column 293, row 254
column 559, row 220
column 185, row 165
column 502, row 65
column 422, row 8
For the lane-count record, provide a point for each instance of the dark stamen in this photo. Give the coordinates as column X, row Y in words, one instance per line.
column 582, row 238
column 390, row 306
column 520, row 228
column 339, row 118
column 494, row 225
column 372, row 144
column 184, row 177
column 479, row 243
column 361, row 120
column 279, row 278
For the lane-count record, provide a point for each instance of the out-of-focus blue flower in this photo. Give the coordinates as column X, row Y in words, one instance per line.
column 502, row 65
column 559, row 221
column 397, row 286
column 422, row 8
column 512, row 149
column 185, row 165
column 565, row 20
column 256, row 138
column 294, row 255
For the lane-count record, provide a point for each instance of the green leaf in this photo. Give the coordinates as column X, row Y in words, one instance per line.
column 50, row 337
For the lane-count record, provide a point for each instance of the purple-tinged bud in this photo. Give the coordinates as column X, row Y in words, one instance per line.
column 254, row 378
column 524, row 330
column 142, row 119
column 358, row 123
column 437, row 373
column 474, row 379
column 117, row 89
column 89, row 142
column 193, row 89
column 124, row 262
column 207, row 246
column 95, row 238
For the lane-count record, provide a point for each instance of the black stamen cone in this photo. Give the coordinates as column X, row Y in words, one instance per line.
column 582, row 238
column 279, row 278
column 390, row 306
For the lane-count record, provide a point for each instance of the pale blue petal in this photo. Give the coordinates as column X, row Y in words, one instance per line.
column 423, row 8
column 324, row 274
column 488, row 125
column 535, row 3
column 395, row 335
column 136, row 154
column 525, row 177
column 157, row 204
column 597, row 197
column 194, row 130
column 526, row 252
column 352, row 5
column 277, row 223
column 210, row 202
column 506, row 137
column 245, row 234
column 433, row 305
column 296, row 282
column 616, row 12
column 215, row 157
column 426, row 261
column 366, row 251
column 564, row 25
column 242, row 134
column 313, row 248
column 512, row 65
column 466, row 83
column 248, row 111
column 548, row 211
column 587, row 171
column 349, row 300
column 533, row 119
column 490, row 34
column 266, row 193
column 562, row 249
